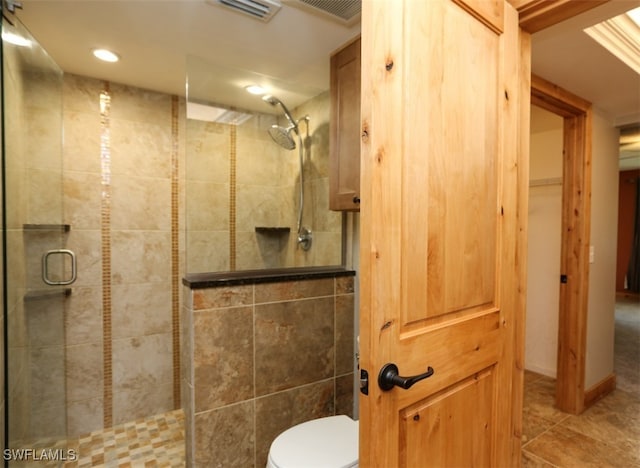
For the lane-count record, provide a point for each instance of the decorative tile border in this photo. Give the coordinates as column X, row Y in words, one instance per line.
column 105, row 234
column 105, row 230
column 232, row 197
column 175, row 249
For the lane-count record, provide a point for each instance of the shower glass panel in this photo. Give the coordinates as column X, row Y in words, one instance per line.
column 33, row 227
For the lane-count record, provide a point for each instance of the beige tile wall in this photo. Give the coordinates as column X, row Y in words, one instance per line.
column 118, row 200
column 325, row 224
column 258, row 359
column 266, row 194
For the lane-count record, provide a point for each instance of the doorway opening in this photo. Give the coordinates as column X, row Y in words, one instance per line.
column 575, row 234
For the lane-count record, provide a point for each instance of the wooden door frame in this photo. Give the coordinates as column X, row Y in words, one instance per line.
column 576, row 228
column 534, row 16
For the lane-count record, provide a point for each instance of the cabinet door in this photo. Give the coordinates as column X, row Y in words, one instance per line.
column 344, row 193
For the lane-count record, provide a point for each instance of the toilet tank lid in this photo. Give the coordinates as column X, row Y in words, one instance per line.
column 324, row 442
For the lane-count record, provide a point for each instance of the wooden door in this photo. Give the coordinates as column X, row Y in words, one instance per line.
column 444, row 178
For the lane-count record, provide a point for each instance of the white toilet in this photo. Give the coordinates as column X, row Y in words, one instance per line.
column 330, row 442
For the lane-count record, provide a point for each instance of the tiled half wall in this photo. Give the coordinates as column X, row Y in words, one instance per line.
column 260, row 358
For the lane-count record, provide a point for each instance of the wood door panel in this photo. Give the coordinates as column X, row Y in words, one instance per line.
column 465, row 409
column 449, row 197
column 455, row 352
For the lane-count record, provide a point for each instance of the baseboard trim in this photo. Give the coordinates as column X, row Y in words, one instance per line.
column 626, row 294
column 551, row 373
column 600, row 390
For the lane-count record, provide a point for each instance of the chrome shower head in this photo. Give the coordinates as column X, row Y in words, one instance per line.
column 282, row 136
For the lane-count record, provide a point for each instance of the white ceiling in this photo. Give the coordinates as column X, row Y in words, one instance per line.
column 163, row 41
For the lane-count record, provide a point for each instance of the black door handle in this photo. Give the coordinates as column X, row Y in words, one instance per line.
column 388, row 377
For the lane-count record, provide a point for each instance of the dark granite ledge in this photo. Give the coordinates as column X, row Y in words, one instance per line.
column 274, row 275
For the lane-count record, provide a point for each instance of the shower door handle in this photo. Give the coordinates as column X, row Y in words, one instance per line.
column 45, row 267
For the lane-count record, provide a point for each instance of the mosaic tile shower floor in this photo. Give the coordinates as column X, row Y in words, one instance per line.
column 154, row 442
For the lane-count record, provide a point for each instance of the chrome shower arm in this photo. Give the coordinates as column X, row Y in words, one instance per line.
column 275, row 101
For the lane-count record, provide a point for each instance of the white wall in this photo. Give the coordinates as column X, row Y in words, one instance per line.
column 544, row 247
column 602, row 272
column 543, row 265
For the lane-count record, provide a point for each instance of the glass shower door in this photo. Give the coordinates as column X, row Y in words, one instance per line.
column 38, row 268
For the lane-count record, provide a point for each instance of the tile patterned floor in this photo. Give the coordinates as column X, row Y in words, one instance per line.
column 627, row 344
column 157, row 441
column 605, row 435
column 153, row 442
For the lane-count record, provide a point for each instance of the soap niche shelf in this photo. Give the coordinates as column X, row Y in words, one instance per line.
column 276, row 230
column 40, row 294
column 47, row 227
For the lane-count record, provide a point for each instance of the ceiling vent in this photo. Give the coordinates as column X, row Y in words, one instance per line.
column 345, row 12
column 262, row 10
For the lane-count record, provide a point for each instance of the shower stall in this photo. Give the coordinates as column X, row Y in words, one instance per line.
column 91, row 264
column 111, row 195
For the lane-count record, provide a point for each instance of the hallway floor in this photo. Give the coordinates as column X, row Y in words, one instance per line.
column 605, row 435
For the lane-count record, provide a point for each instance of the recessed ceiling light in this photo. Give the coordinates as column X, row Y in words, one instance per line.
column 15, row 39
column 106, row 55
column 255, row 89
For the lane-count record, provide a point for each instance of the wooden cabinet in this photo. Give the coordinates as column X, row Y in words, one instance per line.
column 344, row 176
